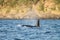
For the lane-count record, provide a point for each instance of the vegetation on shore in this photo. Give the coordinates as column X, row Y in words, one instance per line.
column 18, row 8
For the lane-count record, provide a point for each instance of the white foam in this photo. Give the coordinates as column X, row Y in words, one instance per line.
column 19, row 25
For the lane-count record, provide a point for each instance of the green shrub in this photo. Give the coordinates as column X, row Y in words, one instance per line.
column 1, row 2
column 57, row 1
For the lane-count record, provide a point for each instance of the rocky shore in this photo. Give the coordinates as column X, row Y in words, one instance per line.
column 30, row 16
column 31, row 9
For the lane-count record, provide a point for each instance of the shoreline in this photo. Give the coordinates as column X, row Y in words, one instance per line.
column 31, row 19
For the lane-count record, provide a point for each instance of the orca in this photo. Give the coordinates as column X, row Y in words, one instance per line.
column 29, row 26
column 37, row 25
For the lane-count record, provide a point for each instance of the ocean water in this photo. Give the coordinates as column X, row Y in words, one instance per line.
column 13, row 30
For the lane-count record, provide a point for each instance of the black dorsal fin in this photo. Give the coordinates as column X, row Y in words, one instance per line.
column 38, row 24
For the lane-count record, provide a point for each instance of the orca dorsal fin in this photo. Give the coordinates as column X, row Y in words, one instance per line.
column 38, row 24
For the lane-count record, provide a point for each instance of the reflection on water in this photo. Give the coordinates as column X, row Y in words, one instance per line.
column 12, row 30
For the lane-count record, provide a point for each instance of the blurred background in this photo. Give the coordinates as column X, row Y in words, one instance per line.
column 18, row 9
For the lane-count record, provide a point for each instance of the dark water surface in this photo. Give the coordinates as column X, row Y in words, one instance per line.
column 12, row 30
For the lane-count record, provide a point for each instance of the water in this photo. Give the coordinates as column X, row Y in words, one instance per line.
column 12, row 30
